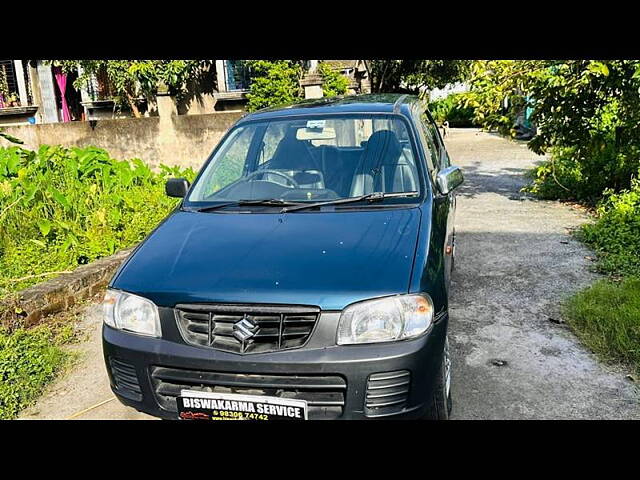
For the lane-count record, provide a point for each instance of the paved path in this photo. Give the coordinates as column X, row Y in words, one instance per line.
column 514, row 263
column 83, row 393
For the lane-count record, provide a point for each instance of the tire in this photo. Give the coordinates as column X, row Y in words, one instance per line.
column 441, row 403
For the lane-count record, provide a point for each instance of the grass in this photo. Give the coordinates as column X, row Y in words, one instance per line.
column 606, row 317
column 29, row 360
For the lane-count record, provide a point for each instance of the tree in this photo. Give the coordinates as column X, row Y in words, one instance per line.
column 591, row 109
column 414, row 76
column 587, row 113
column 132, row 79
column 498, row 91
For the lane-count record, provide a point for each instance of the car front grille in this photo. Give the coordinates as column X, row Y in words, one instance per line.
column 387, row 392
column 325, row 395
column 246, row 328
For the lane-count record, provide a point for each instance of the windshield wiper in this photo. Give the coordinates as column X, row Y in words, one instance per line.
column 240, row 203
column 371, row 197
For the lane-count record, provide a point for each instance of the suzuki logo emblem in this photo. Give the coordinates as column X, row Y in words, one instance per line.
column 244, row 329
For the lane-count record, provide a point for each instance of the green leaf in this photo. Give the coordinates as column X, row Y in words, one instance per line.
column 60, row 198
column 45, row 226
column 599, row 68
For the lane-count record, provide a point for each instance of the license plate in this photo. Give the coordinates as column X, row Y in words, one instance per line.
column 193, row 405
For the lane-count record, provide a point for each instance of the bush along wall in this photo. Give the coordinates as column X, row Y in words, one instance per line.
column 64, row 207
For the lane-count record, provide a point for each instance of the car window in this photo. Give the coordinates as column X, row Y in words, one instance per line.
column 233, row 157
column 431, row 138
column 429, row 148
column 445, row 161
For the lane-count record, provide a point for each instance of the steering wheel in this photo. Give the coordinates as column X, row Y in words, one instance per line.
column 275, row 172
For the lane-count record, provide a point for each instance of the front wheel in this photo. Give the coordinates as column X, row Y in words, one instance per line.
column 441, row 403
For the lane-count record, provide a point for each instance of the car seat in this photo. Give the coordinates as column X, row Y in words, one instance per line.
column 383, row 167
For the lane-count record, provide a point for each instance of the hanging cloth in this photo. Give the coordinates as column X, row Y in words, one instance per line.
column 61, row 80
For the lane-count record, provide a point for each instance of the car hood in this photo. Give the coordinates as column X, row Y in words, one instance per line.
column 328, row 259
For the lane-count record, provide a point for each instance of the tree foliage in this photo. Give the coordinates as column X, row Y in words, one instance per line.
column 498, row 91
column 413, row 76
column 587, row 114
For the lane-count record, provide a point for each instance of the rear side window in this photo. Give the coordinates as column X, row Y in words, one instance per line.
column 431, row 138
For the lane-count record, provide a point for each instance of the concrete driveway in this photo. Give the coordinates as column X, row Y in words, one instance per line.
column 515, row 262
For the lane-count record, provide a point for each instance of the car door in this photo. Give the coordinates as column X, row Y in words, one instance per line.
column 444, row 205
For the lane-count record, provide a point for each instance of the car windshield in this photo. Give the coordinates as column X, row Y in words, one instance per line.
column 311, row 159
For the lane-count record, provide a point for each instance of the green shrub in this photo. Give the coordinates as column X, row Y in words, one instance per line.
column 584, row 174
column 29, row 359
column 61, row 207
column 273, row 83
column 606, row 317
column 333, row 83
column 453, row 110
column 561, row 178
column 615, row 236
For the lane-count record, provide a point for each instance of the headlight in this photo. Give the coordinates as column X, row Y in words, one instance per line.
column 126, row 311
column 385, row 320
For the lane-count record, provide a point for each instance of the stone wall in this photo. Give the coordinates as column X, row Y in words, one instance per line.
column 30, row 306
column 185, row 140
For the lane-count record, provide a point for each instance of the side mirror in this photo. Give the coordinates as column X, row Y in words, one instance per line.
column 449, row 179
column 176, row 187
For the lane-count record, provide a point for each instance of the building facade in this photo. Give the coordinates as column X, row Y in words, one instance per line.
column 36, row 92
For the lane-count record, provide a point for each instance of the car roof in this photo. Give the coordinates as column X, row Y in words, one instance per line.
column 369, row 103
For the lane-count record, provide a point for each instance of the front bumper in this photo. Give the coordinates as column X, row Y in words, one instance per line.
column 354, row 364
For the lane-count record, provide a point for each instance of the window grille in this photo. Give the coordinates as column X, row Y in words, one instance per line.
column 236, row 75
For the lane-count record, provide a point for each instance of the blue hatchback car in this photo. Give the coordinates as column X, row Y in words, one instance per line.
column 304, row 275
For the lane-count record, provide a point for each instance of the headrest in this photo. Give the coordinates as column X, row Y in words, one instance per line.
column 383, row 144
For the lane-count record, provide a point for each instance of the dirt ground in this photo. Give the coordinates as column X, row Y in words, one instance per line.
column 83, row 392
column 515, row 263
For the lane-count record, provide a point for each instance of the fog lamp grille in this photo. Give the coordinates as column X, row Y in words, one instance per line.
column 387, row 392
column 125, row 379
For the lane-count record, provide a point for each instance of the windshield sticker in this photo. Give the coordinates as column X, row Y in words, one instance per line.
column 316, row 124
